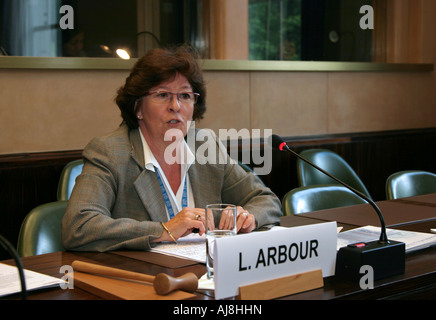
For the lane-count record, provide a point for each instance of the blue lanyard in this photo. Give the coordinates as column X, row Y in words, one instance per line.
column 166, row 197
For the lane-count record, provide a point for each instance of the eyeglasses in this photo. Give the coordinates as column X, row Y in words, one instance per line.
column 165, row 97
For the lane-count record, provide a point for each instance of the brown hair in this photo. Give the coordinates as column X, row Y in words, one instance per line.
column 157, row 66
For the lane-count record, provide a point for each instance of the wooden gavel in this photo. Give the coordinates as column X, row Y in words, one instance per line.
column 162, row 283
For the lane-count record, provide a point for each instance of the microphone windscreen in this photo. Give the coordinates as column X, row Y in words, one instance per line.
column 277, row 142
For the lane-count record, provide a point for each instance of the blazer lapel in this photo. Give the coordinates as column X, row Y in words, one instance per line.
column 148, row 189
column 146, row 184
column 206, row 179
column 206, row 188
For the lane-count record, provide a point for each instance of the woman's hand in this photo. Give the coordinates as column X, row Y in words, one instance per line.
column 184, row 223
column 194, row 218
column 245, row 221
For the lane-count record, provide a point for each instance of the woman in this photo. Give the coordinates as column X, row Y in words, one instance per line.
column 130, row 195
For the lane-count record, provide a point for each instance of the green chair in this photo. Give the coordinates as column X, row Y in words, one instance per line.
column 319, row 197
column 68, row 179
column 41, row 230
column 410, row 183
column 333, row 164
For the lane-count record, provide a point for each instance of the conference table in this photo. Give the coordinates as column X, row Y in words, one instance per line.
column 412, row 214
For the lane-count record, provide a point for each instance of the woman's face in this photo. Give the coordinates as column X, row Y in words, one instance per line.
column 156, row 115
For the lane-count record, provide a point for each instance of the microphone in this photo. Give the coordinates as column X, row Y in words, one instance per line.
column 280, row 144
column 387, row 257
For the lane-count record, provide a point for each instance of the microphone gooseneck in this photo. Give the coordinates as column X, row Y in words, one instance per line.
column 279, row 144
column 5, row 244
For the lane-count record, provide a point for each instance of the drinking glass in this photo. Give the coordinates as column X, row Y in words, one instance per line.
column 220, row 222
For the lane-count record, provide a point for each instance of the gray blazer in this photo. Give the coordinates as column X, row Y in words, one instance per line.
column 117, row 204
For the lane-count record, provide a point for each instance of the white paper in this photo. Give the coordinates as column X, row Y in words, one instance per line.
column 413, row 240
column 204, row 283
column 10, row 280
column 192, row 247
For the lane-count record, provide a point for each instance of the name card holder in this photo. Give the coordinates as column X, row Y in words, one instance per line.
column 283, row 286
column 275, row 263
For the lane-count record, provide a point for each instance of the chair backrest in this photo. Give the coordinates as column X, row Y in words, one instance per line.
column 68, row 179
column 319, row 197
column 410, row 183
column 41, row 230
column 333, row 164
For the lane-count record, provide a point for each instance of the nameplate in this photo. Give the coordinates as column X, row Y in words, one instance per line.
column 260, row 256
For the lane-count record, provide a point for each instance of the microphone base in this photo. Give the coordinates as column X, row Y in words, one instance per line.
column 386, row 259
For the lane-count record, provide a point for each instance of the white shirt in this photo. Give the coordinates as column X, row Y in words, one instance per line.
column 151, row 163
